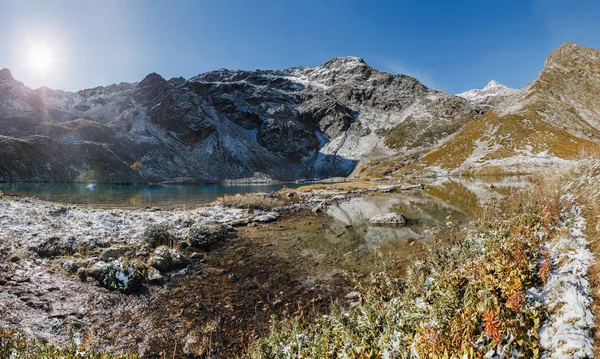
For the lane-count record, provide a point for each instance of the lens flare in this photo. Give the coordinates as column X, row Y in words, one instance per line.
column 41, row 58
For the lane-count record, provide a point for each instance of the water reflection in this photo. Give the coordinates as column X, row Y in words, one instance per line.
column 445, row 203
column 103, row 195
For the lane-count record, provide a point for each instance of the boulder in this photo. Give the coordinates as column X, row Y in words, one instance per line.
column 266, row 217
column 166, row 259
column 393, row 219
column 154, row 276
column 158, row 235
column 111, row 253
column 205, row 236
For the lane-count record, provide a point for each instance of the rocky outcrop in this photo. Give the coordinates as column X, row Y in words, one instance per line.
column 296, row 123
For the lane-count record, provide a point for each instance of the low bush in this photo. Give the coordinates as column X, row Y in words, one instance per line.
column 159, row 235
column 260, row 201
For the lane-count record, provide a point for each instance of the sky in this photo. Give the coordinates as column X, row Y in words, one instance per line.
column 453, row 46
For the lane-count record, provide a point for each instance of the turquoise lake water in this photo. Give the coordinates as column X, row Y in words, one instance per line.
column 103, row 195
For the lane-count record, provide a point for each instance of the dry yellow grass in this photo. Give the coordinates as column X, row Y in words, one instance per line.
column 511, row 134
column 257, row 201
column 342, row 186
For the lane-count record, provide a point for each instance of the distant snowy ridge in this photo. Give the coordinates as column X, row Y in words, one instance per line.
column 492, row 94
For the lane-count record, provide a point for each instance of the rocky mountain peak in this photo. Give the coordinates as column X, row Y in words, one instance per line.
column 349, row 61
column 152, row 79
column 5, row 75
column 570, row 54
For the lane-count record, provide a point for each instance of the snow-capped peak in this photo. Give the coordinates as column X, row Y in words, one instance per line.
column 493, row 84
column 491, row 94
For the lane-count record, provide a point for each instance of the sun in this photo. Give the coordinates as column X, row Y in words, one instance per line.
column 41, row 58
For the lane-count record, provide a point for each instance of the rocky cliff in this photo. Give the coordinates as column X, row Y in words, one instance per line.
column 296, row 123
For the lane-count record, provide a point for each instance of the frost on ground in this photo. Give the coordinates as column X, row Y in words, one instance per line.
column 35, row 298
column 33, row 221
column 567, row 333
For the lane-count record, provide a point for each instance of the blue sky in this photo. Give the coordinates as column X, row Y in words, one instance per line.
column 450, row 45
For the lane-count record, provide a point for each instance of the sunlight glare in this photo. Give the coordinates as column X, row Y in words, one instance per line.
column 41, row 58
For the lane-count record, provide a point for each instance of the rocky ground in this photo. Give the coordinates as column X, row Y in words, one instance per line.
column 200, row 282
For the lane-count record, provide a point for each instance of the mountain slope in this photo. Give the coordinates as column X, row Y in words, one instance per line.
column 286, row 124
column 551, row 122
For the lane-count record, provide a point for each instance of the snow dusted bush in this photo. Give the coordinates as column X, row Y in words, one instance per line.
column 125, row 277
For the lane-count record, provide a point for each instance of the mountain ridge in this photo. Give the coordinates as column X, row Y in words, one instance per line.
column 295, row 123
column 341, row 118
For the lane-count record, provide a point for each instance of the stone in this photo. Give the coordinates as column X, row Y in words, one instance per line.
column 158, row 234
column 68, row 266
column 197, row 256
column 82, row 274
column 266, row 217
column 154, row 276
column 111, row 253
column 166, row 259
column 394, row 219
column 55, row 247
column 205, row 236
column 353, row 295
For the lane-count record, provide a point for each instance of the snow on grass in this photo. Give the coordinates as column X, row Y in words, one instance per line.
column 32, row 221
column 567, row 333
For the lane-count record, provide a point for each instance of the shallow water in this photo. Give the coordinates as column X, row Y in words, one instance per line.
column 443, row 205
column 104, row 195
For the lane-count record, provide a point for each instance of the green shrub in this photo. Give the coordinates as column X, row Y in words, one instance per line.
column 159, row 235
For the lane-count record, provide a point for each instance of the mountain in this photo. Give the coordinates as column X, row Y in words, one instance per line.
column 552, row 122
column 492, row 94
column 296, row 123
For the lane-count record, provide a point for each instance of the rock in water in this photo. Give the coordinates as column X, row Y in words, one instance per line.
column 266, row 217
column 393, row 219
